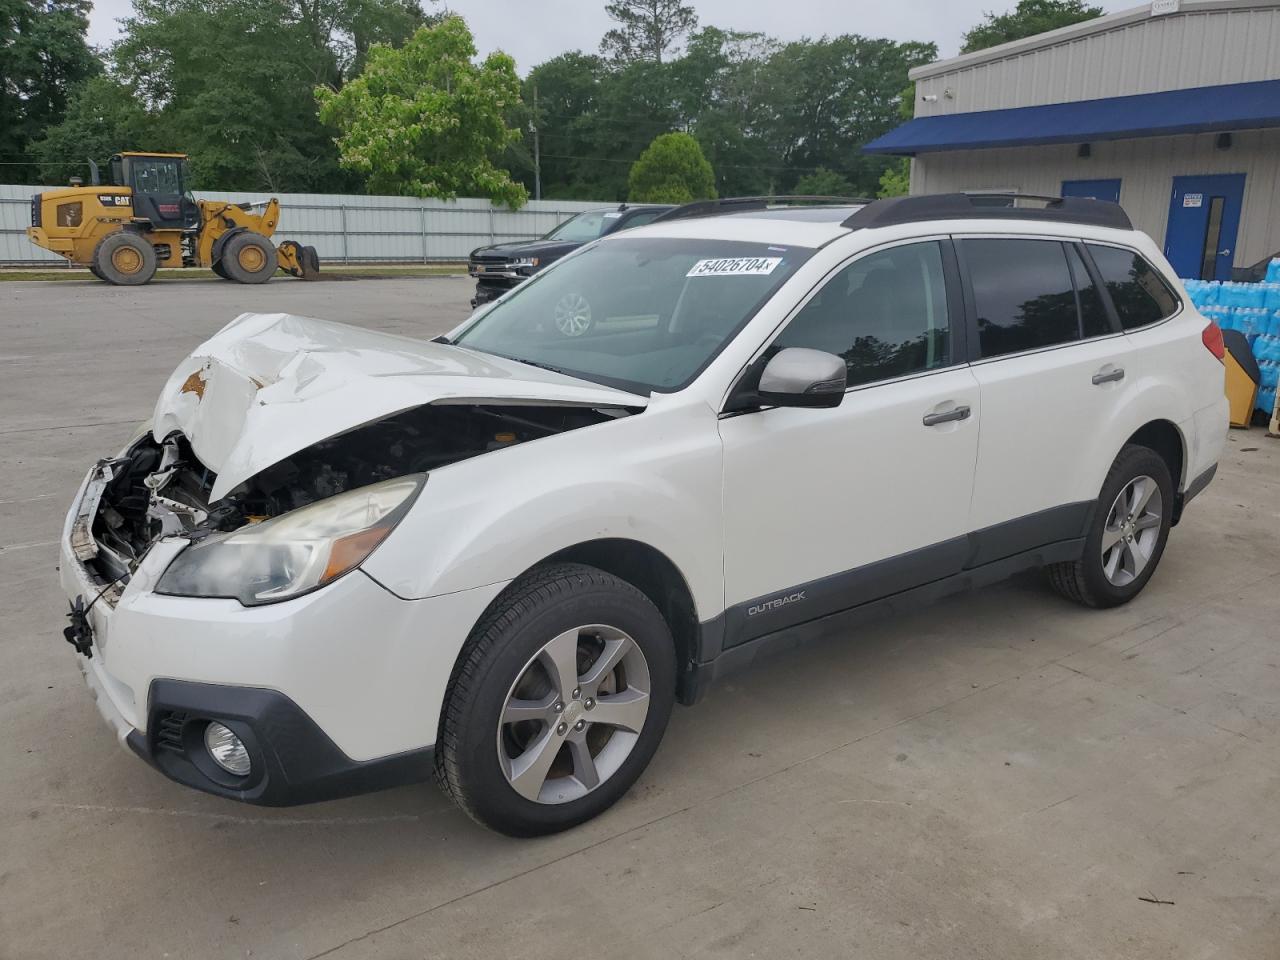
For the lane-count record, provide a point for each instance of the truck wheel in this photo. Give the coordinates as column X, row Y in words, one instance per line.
column 310, row 263
column 558, row 701
column 249, row 258
column 125, row 259
column 217, row 268
column 94, row 271
column 1127, row 533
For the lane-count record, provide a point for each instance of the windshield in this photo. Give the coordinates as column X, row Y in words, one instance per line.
column 642, row 313
column 585, row 226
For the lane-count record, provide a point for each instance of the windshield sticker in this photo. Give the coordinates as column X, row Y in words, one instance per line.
column 612, row 215
column 734, row 267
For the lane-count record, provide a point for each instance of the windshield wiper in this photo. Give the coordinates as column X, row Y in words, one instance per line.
column 540, row 366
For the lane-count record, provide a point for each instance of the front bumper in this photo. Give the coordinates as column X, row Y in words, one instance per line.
column 336, row 692
column 293, row 761
column 488, row 290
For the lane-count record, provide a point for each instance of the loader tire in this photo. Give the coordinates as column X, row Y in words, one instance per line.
column 310, row 261
column 249, row 258
column 124, row 259
column 216, row 267
column 94, row 271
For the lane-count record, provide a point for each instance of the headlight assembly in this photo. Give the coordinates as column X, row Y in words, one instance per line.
column 295, row 552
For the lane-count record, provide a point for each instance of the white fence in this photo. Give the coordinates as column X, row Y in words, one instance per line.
column 346, row 228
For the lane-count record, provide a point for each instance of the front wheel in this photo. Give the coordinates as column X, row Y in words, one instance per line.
column 1127, row 533
column 558, row 702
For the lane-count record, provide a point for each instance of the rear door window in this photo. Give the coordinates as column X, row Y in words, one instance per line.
column 1094, row 321
column 1140, row 295
column 1022, row 293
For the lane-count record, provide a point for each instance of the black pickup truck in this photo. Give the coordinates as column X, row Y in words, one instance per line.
column 504, row 265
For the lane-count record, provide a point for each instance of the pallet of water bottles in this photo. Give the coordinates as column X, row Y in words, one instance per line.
column 1254, row 310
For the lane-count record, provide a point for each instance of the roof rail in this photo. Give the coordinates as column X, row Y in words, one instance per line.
column 962, row 206
column 711, row 208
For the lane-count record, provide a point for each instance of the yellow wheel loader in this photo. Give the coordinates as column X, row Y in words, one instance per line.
column 123, row 233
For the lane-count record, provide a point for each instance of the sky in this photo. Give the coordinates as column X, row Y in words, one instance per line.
column 536, row 30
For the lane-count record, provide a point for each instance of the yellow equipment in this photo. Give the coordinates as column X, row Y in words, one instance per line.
column 124, row 233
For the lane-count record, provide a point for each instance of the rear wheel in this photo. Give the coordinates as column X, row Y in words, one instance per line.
column 559, row 701
column 1127, row 534
column 125, row 259
column 248, row 258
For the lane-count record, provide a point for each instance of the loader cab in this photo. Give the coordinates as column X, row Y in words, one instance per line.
column 159, row 185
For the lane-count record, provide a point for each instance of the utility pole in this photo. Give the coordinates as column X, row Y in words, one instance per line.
column 537, row 153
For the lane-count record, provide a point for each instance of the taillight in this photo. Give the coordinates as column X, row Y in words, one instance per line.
column 1212, row 337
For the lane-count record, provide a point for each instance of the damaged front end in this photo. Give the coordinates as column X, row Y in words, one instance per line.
column 299, row 523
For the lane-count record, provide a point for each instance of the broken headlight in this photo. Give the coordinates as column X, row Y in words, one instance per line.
column 293, row 553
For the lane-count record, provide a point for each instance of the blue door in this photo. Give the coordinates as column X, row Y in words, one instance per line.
column 1096, row 189
column 1204, row 215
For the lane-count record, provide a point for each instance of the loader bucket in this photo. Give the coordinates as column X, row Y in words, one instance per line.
column 298, row 261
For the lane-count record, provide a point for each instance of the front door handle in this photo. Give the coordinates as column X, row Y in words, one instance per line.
column 1108, row 376
column 933, row 419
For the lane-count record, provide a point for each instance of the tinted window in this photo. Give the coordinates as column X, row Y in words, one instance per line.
column 1139, row 293
column 583, row 227
column 1094, row 321
column 1023, row 294
column 886, row 314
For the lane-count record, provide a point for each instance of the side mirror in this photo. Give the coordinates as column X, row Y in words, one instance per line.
column 800, row 377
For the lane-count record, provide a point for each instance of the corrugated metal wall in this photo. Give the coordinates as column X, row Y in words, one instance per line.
column 348, row 227
column 1146, row 169
column 1199, row 46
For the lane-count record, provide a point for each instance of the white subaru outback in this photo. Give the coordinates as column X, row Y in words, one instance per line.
column 338, row 560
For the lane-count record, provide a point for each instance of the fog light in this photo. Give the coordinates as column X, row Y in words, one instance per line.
column 228, row 750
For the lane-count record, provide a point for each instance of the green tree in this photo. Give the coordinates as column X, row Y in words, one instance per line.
column 424, row 120
column 231, row 82
column 861, row 79
column 672, row 169
column 104, row 117
column 646, row 29
column 896, row 180
column 43, row 56
column 824, row 183
column 1027, row 19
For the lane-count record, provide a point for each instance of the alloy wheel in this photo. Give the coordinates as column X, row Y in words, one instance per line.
column 1132, row 531
column 574, row 714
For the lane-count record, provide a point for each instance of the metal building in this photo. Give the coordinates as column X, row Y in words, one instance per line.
column 1171, row 109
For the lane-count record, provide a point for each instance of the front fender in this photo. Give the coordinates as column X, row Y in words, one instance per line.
column 653, row 477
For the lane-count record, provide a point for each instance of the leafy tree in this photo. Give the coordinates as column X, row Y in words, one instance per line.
column 1027, row 19
column 646, row 29
column 861, row 80
column 824, row 183
column 104, row 117
column 43, row 56
column 424, row 120
column 896, row 180
column 672, row 169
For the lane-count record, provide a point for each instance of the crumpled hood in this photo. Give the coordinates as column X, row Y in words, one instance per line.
column 270, row 384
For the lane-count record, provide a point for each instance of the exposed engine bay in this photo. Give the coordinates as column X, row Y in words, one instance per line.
column 160, row 489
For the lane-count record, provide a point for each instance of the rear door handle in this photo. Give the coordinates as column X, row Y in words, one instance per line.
column 933, row 419
column 1108, row 376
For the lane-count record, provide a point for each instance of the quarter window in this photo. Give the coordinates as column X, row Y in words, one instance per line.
column 885, row 314
column 1139, row 293
column 1022, row 293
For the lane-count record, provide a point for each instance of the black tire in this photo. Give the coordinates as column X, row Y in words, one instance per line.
column 310, row 262
column 216, row 267
column 1085, row 580
column 543, row 604
column 124, row 259
column 248, row 258
column 94, row 270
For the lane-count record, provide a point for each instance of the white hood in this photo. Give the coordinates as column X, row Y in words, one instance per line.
column 270, row 384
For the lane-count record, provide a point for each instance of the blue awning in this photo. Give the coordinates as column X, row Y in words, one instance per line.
column 1232, row 106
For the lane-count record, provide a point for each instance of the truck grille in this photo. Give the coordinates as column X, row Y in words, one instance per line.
column 35, row 211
